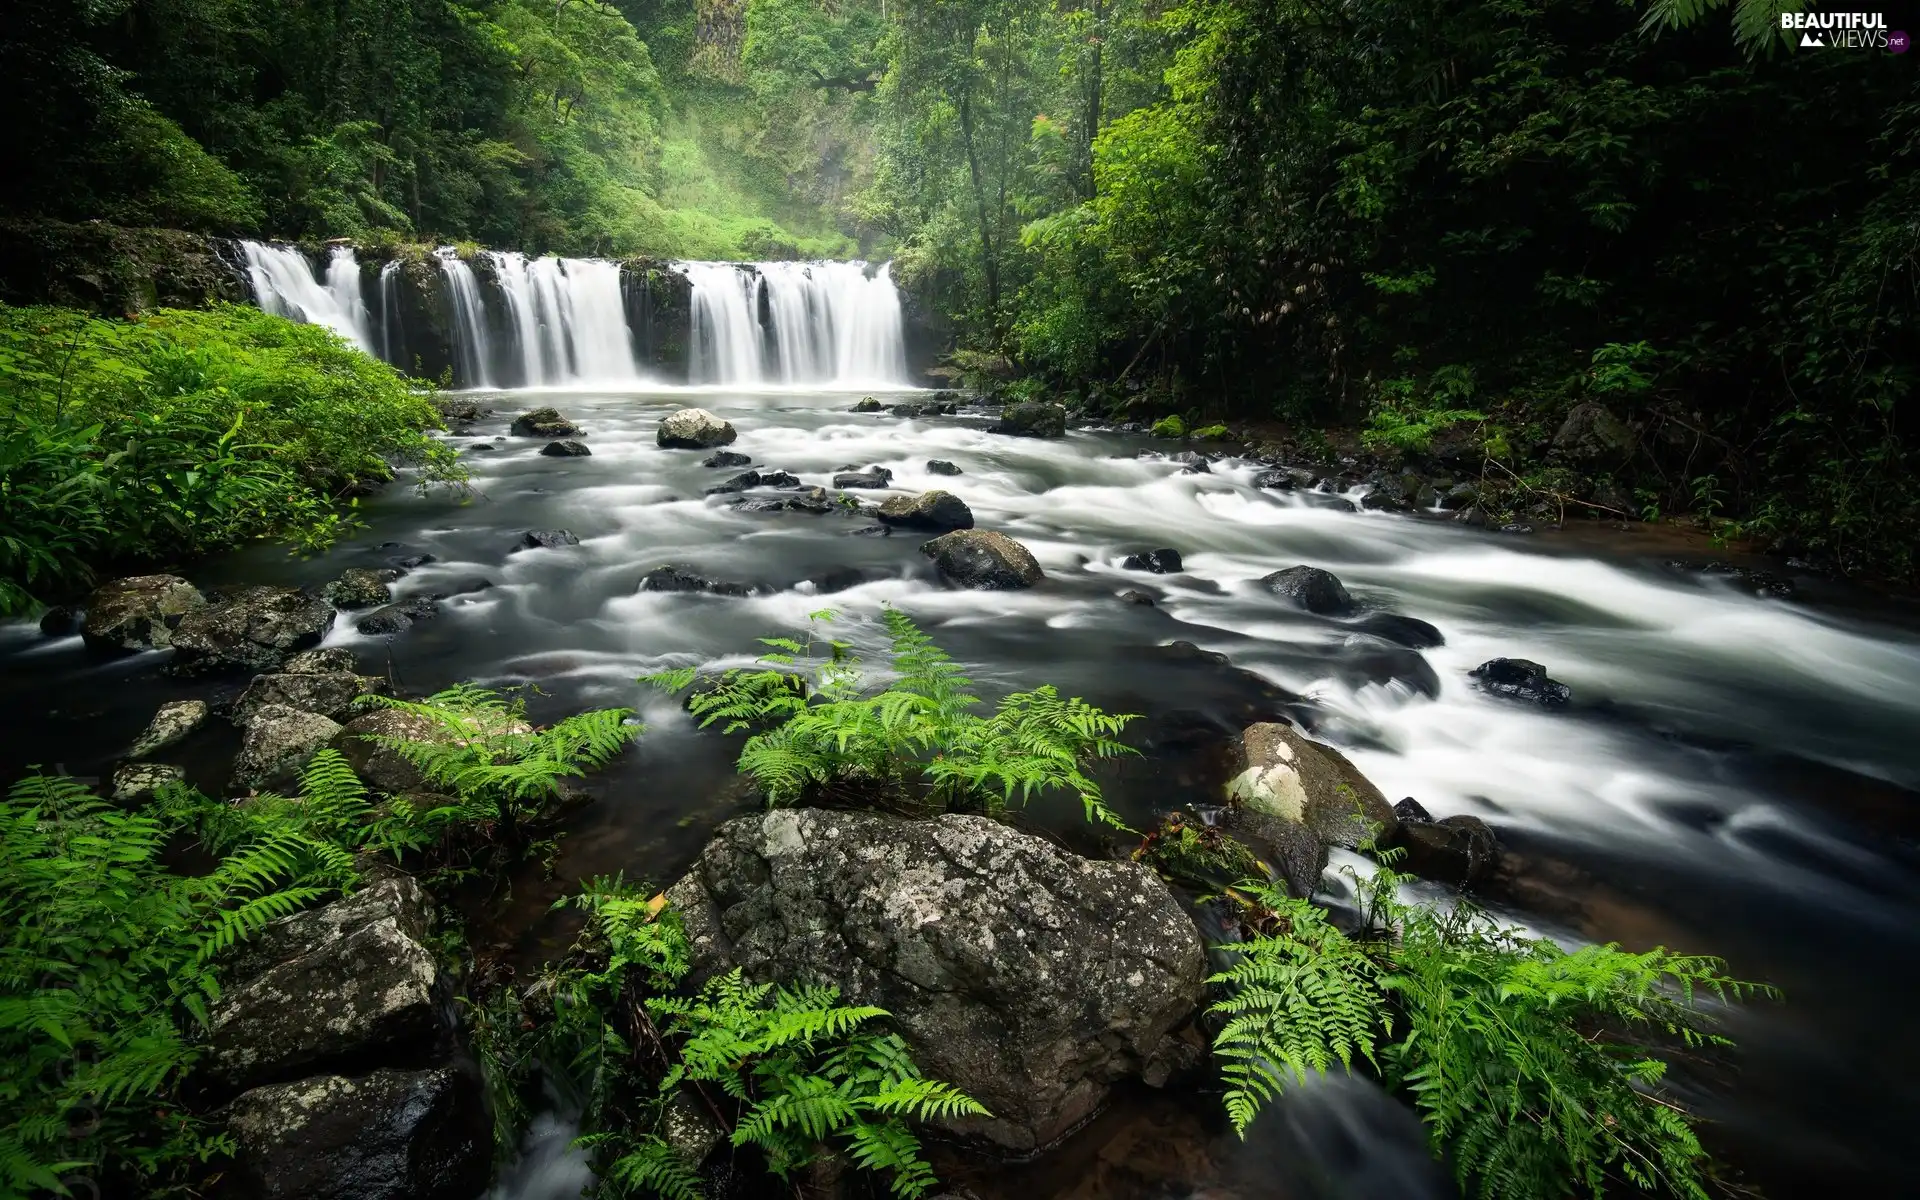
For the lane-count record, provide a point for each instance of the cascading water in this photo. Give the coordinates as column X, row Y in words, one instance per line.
column 471, row 344
column 284, row 283
column 796, row 323
column 568, row 319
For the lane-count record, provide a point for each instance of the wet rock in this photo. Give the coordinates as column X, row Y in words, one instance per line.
column 408, row 562
column 1280, row 773
column 1279, row 481
column 1410, row 632
column 398, row 618
column 458, row 408
column 940, row 466
column 482, row 446
column 779, row 479
column 727, row 458
column 1028, row 977
column 871, row 531
column 1459, row 496
column 544, row 423
column 547, row 539
column 1336, row 503
column 1387, row 493
column 981, row 558
column 140, row 612
column 1310, row 588
column 390, row 1135
column 1591, row 433
column 873, row 477
column 694, row 429
column 739, row 483
column 566, row 450
column 254, row 629
column 379, row 766
column 329, row 693
column 1161, row 562
column 1516, row 527
column 937, row 511
column 359, row 587
column 1472, row 516
column 1460, row 851
column 62, row 620
column 172, row 723
column 813, row 500
column 278, row 742
column 1140, row 598
column 340, row 986
column 1031, row 418
column 322, row 661
column 677, row 579
column 1409, row 809
column 1195, row 462
column 868, row 405
column 1760, row 583
column 1521, row 679
column 136, row 783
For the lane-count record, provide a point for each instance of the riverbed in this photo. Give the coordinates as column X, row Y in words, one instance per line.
column 1737, row 774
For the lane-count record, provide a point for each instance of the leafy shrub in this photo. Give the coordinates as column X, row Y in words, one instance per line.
column 1535, row 1069
column 821, row 736
column 181, row 433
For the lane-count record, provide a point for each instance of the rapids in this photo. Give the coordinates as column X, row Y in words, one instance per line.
column 1736, row 775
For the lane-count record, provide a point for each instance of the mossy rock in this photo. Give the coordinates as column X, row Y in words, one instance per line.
column 1169, row 427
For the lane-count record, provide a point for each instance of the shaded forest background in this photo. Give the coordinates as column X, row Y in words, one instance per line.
column 1619, row 259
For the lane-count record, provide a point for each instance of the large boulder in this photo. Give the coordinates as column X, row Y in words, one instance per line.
column 136, row 782
column 1284, row 786
column 1032, row 418
column 937, row 511
column 254, row 629
column 342, row 987
column 328, row 693
column 278, row 743
column 379, row 766
column 1028, row 977
column 323, row 661
column 1310, row 588
column 390, row 1135
column 362, row 587
column 694, row 429
column 172, row 723
column 543, row 423
column 140, row 612
column 1592, row 433
column 982, row 558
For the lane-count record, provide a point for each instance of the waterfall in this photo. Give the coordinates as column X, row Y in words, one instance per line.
column 796, row 323
column 471, row 346
column 568, row 318
column 284, row 282
column 391, row 344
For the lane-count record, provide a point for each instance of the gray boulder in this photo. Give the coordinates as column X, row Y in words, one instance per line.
column 398, row 618
column 694, row 429
column 1164, row 561
column 1310, row 588
column 139, row 613
column 378, row 766
column 940, row 466
column 727, row 458
column 329, row 693
column 1028, row 977
column 871, row 478
column 739, row 483
column 543, row 422
column 172, row 723
column 390, row 1135
column 567, row 449
column 1292, row 798
column 278, row 742
column 1522, row 679
column 1591, row 433
column 135, row 782
column 1032, row 418
column 678, row 579
column 361, row 587
column 254, row 629
column 547, row 539
column 322, row 661
column 937, row 511
column 982, row 558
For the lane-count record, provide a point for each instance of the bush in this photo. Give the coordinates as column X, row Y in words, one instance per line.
column 181, row 433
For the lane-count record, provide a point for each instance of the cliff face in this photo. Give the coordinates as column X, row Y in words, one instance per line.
column 115, row 270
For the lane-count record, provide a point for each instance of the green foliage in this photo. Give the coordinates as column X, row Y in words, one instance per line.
column 184, row 433
column 1536, row 1070
column 820, row 734
column 1212, row 433
column 1171, row 426
column 1197, row 855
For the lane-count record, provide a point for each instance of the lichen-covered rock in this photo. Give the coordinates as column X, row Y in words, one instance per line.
column 140, row 612
column 355, row 986
column 983, row 558
column 1027, row 976
column 694, row 429
column 543, row 422
column 173, row 722
column 1310, row 588
column 362, row 587
column 135, row 782
column 1032, row 418
column 254, row 629
column 1283, row 783
column 278, row 742
column 322, row 661
column 390, row 1135
column 329, row 693
column 937, row 511
column 377, row 765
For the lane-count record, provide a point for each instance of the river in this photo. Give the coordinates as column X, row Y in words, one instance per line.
column 1736, row 775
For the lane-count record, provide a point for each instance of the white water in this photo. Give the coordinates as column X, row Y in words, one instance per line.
column 472, row 345
column 284, row 283
column 826, row 323
column 568, row 319
column 390, row 348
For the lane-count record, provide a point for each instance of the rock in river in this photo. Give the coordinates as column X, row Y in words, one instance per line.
column 253, row 629
column 547, row 539
column 940, row 466
column 739, row 483
column 1522, row 679
column 140, row 612
column 938, row 511
column 328, row 693
column 277, row 745
column 545, row 423
column 398, row 618
column 360, row 587
column 694, row 429
column 134, row 783
column 1298, row 797
column 175, row 720
column 1028, row 977
column 1032, row 419
column 982, row 558
column 567, row 449
column 872, row 477
column 675, row 579
column 1311, row 588
column 727, row 458
column 1161, row 562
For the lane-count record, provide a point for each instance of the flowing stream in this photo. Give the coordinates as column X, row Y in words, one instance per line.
column 1736, row 775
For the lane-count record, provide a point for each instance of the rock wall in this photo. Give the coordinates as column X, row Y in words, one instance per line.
column 114, row 270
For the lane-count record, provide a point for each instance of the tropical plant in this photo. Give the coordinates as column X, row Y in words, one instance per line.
column 819, row 732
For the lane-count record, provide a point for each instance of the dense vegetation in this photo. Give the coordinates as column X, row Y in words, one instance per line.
column 182, row 433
